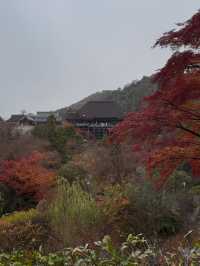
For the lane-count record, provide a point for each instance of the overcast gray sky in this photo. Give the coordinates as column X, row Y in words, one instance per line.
column 55, row 52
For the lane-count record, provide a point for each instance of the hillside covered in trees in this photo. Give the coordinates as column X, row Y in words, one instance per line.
column 129, row 199
column 129, row 98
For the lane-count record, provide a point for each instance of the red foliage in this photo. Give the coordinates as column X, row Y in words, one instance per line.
column 187, row 35
column 178, row 64
column 27, row 176
column 168, row 128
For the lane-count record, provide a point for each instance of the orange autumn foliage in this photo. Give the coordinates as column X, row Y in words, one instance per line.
column 27, row 176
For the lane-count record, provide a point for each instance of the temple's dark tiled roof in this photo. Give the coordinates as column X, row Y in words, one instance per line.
column 71, row 115
column 15, row 118
column 42, row 117
column 100, row 109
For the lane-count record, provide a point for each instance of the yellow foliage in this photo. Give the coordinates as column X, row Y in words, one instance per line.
column 18, row 217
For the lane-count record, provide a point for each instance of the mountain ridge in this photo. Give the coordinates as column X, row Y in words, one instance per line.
column 129, row 97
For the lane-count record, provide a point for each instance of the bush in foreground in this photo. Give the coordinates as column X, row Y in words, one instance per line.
column 24, row 230
column 74, row 214
column 135, row 251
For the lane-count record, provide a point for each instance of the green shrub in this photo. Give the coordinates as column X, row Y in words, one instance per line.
column 6, row 198
column 195, row 190
column 11, row 201
column 73, row 173
column 58, row 136
column 73, row 213
column 19, row 217
column 154, row 213
column 168, row 225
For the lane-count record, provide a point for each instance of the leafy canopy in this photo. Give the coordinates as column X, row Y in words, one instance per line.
column 167, row 127
column 27, row 176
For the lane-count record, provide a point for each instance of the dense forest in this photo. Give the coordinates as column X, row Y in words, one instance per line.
column 131, row 198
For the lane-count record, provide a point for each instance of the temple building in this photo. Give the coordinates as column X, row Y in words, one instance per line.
column 24, row 123
column 96, row 118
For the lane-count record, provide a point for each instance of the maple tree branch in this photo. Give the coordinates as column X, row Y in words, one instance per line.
column 191, row 112
column 180, row 126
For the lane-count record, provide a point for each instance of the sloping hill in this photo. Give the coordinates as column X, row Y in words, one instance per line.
column 129, row 98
